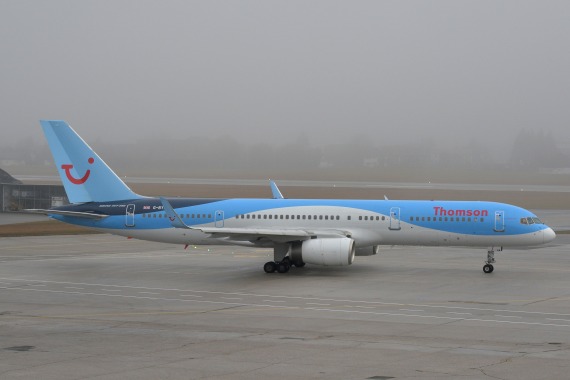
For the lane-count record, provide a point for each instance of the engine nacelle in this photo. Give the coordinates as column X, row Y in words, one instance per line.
column 368, row 251
column 329, row 251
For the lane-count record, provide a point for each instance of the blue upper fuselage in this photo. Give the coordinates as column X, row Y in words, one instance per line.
column 463, row 217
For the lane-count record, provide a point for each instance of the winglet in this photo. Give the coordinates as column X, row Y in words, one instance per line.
column 174, row 218
column 275, row 190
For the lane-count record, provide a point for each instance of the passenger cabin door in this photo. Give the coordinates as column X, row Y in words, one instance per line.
column 499, row 221
column 395, row 219
column 219, row 218
column 130, row 216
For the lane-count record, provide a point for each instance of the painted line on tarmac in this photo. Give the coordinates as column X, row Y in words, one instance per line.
column 374, row 313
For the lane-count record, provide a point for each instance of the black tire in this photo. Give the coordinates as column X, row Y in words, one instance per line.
column 269, row 267
column 488, row 268
column 298, row 264
column 283, row 267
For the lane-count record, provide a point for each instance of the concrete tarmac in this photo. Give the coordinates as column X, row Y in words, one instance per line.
column 104, row 307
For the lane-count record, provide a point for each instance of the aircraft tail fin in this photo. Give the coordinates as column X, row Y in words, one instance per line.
column 85, row 176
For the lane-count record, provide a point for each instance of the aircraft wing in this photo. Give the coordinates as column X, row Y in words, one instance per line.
column 257, row 234
column 75, row 214
column 275, row 190
column 281, row 235
column 268, row 234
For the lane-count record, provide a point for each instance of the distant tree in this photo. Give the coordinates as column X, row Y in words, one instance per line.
column 532, row 150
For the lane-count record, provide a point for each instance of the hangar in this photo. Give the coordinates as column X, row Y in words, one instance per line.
column 16, row 196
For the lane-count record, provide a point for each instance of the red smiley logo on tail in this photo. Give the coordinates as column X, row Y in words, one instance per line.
column 72, row 179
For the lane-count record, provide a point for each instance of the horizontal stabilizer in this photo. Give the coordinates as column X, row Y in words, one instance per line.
column 75, row 214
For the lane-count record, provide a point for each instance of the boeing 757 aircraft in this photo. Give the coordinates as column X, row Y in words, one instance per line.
column 312, row 231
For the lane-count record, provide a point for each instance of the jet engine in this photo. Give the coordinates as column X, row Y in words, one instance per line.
column 328, row 251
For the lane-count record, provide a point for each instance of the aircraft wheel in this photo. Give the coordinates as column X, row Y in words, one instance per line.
column 270, row 267
column 283, row 267
column 488, row 268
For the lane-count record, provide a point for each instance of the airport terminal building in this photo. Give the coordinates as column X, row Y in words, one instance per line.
column 15, row 196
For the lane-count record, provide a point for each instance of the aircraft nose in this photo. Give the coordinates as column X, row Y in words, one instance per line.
column 548, row 235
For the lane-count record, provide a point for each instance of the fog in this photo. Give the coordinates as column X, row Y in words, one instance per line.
column 430, row 76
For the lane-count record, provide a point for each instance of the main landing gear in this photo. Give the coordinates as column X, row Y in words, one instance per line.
column 488, row 267
column 281, row 260
column 282, row 266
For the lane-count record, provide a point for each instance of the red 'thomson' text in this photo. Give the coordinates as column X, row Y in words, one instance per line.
column 440, row 211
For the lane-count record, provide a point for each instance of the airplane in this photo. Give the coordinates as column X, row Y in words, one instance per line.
column 329, row 232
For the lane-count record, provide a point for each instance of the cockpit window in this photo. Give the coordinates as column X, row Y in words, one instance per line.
column 530, row 220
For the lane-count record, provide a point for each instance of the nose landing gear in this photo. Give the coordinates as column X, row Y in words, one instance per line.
column 488, row 267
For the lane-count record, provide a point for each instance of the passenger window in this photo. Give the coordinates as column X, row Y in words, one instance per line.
column 326, row 217
column 463, row 219
column 304, row 217
column 417, row 218
column 337, row 217
column 309, row 216
column 411, row 218
column 360, row 218
column 383, row 217
column 320, row 217
column 348, row 217
column 482, row 220
column 423, row 219
column 429, row 219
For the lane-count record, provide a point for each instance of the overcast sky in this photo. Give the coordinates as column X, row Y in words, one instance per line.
column 390, row 71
